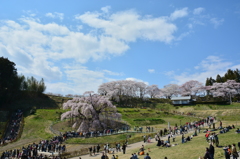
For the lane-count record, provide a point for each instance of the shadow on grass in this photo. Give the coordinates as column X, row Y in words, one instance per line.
column 29, row 103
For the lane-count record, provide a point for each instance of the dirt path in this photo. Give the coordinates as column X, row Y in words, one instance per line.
column 17, row 145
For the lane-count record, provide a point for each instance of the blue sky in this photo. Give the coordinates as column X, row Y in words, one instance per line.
column 77, row 45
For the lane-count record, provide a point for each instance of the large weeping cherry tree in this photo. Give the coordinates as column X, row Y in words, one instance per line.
column 89, row 112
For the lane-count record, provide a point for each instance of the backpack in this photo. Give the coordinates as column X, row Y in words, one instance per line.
column 207, row 135
column 229, row 151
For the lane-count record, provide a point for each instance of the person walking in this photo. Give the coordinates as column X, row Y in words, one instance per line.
column 234, row 151
column 161, row 133
column 90, row 151
column 94, row 150
column 98, row 148
column 144, row 138
column 124, row 148
column 182, row 138
column 211, row 151
column 118, row 147
column 216, row 140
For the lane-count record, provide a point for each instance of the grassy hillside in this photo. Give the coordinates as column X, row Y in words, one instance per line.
column 147, row 117
column 48, row 111
column 192, row 149
column 222, row 112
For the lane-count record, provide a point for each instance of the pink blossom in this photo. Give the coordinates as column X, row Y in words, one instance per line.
column 89, row 108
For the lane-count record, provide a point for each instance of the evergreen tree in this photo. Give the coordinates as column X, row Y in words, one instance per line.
column 8, row 79
column 237, row 75
column 229, row 75
column 207, row 83
column 212, row 81
column 31, row 85
column 219, row 79
column 11, row 84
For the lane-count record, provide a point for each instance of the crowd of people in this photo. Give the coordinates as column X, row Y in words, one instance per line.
column 171, row 133
column 55, row 145
column 70, row 134
column 212, row 139
column 13, row 128
column 36, row 150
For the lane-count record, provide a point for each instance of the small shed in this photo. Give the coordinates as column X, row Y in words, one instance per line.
column 181, row 100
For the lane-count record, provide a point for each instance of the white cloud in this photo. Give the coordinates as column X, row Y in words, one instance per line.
column 151, row 70
column 210, row 67
column 56, row 42
column 199, row 18
column 29, row 13
column 183, row 35
column 198, row 11
column 137, row 80
column 129, row 26
column 179, row 13
column 62, row 88
column 41, row 50
column 81, row 79
column 112, row 73
column 84, row 79
column 55, row 15
column 169, row 73
column 106, row 9
column 216, row 22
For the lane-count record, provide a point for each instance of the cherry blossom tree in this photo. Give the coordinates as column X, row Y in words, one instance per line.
column 170, row 90
column 141, row 89
column 227, row 89
column 191, row 88
column 153, row 91
column 124, row 92
column 123, row 88
column 88, row 110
